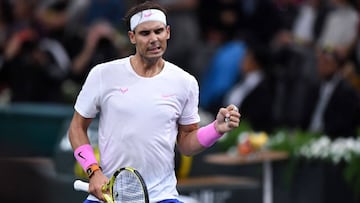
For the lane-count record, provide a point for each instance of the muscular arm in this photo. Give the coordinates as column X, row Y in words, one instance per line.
column 187, row 141
column 78, row 130
column 78, row 136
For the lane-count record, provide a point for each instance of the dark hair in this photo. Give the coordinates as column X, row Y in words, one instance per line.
column 141, row 7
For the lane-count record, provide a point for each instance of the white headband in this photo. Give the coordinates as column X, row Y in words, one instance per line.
column 147, row 15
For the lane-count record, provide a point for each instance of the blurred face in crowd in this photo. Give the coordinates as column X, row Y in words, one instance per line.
column 150, row 39
column 23, row 9
column 327, row 64
column 249, row 64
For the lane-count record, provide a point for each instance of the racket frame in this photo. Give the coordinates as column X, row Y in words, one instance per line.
column 80, row 185
column 110, row 186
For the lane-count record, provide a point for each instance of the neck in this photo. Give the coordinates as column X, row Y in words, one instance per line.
column 146, row 67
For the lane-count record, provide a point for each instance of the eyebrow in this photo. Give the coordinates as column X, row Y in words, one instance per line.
column 156, row 30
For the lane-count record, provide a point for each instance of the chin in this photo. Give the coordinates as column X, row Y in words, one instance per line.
column 153, row 58
column 155, row 55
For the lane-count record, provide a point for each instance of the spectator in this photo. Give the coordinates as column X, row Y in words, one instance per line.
column 218, row 18
column 98, row 46
column 34, row 67
column 340, row 28
column 253, row 93
column 259, row 18
column 295, row 58
column 337, row 108
column 221, row 74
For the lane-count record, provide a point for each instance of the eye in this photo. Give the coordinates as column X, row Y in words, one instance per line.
column 158, row 31
column 144, row 33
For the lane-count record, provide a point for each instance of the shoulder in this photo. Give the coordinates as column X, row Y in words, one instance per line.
column 179, row 76
column 177, row 71
column 113, row 63
column 110, row 66
column 346, row 92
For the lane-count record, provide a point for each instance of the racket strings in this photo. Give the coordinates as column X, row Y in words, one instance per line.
column 128, row 188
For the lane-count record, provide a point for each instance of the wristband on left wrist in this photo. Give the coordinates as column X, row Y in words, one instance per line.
column 208, row 135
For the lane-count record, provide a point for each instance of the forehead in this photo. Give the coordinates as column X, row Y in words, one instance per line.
column 150, row 25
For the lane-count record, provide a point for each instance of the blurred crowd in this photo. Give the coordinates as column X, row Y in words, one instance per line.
column 284, row 63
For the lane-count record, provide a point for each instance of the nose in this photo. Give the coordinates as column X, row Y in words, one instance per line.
column 152, row 37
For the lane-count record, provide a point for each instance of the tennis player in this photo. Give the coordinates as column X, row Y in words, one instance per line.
column 146, row 106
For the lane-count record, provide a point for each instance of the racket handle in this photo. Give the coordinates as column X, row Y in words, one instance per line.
column 80, row 185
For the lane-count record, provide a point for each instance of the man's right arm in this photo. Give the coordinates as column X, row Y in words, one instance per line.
column 78, row 130
column 83, row 153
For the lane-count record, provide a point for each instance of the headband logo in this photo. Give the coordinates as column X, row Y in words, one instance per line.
column 148, row 14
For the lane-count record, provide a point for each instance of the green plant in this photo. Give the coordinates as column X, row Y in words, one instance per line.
column 306, row 146
column 352, row 174
column 313, row 147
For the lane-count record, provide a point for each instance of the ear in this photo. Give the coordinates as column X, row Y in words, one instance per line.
column 168, row 31
column 131, row 35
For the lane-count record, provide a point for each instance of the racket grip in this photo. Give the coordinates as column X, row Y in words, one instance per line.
column 80, row 185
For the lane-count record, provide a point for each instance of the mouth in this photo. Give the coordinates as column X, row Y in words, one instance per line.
column 154, row 49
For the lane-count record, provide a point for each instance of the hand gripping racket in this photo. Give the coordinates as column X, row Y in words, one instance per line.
column 125, row 186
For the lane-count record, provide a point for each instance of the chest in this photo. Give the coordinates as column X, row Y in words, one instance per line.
column 144, row 100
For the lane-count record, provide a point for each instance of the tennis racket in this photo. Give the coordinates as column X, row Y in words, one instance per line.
column 125, row 186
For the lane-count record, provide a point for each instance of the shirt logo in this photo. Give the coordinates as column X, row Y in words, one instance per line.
column 167, row 95
column 123, row 90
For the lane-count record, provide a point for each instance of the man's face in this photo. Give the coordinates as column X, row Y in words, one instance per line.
column 150, row 39
column 327, row 64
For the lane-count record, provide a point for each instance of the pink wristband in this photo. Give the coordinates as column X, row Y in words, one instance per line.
column 85, row 156
column 207, row 135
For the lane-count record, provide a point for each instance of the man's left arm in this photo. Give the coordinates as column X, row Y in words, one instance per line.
column 192, row 139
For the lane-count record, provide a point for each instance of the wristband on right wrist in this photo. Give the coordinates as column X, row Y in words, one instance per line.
column 85, row 156
column 207, row 135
